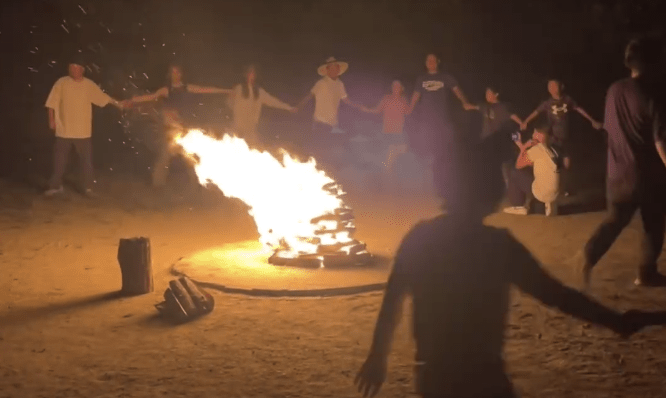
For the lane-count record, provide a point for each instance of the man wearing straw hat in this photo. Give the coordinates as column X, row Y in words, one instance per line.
column 328, row 92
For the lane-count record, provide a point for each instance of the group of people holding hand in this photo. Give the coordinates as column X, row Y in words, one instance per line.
column 457, row 269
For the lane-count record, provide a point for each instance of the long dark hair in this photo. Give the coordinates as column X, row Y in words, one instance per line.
column 245, row 85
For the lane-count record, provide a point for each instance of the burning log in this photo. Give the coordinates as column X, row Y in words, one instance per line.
column 135, row 266
column 336, row 229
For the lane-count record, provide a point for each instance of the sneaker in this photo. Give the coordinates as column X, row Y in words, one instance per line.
column 656, row 280
column 551, row 209
column 517, row 210
column 53, row 192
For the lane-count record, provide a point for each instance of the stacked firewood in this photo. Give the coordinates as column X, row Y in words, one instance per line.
column 347, row 252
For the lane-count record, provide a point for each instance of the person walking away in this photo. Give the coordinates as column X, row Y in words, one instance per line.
column 247, row 100
column 393, row 107
column 636, row 173
column 328, row 92
column 459, row 273
column 536, row 174
column 176, row 100
column 70, row 115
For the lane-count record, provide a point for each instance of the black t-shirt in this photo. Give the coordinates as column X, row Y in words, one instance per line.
column 435, row 90
column 634, row 119
column 494, row 118
column 558, row 111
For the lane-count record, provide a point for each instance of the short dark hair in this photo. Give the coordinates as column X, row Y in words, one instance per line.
column 468, row 177
column 543, row 129
column 643, row 52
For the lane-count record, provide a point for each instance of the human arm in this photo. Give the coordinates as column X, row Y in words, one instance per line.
column 102, row 99
column 377, row 109
column 192, row 88
column 516, row 119
column 52, row 121
column 273, row 102
column 523, row 158
column 53, row 102
column 659, row 130
column 372, row 374
column 463, row 100
column 415, row 98
column 531, row 117
column 531, row 278
column 595, row 124
column 305, row 100
column 161, row 93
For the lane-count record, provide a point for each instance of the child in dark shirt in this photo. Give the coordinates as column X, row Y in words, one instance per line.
column 459, row 273
column 557, row 109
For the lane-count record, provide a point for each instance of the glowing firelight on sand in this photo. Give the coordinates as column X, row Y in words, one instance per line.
column 283, row 195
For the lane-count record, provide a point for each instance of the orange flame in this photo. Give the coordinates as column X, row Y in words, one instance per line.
column 283, row 195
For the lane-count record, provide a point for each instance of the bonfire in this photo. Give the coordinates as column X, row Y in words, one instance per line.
column 298, row 209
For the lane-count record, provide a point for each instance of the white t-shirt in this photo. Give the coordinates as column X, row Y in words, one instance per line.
column 546, row 176
column 71, row 101
column 328, row 93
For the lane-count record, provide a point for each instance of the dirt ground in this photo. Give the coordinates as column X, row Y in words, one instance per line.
column 63, row 334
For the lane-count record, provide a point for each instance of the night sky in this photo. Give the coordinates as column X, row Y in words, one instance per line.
column 516, row 45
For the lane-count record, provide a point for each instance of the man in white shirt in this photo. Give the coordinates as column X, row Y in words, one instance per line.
column 70, row 116
column 328, row 92
column 542, row 182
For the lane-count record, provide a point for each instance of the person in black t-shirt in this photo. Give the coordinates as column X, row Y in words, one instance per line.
column 496, row 118
column 435, row 123
column 558, row 108
column 495, row 114
column 459, row 273
column 636, row 177
column 176, row 98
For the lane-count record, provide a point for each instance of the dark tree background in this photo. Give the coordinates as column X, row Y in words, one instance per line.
column 516, row 44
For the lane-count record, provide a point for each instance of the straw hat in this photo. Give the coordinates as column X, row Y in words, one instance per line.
column 331, row 60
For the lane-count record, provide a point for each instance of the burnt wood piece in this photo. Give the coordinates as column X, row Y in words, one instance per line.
column 338, row 260
column 203, row 303
column 171, row 308
column 275, row 259
column 336, row 247
column 357, row 248
column 184, row 298
column 135, row 266
column 333, row 217
column 335, row 231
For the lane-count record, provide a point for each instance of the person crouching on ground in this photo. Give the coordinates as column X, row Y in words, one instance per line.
column 459, row 273
column 536, row 173
column 70, row 116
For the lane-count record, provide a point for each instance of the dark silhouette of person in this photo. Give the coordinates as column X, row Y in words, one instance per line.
column 459, row 273
column 635, row 120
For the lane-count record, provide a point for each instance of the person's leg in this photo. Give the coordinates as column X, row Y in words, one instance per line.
column 83, row 148
column 619, row 216
column 654, row 224
column 60, row 153
column 520, row 186
column 161, row 164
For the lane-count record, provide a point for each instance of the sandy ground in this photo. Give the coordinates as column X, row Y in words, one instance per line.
column 63, row 334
